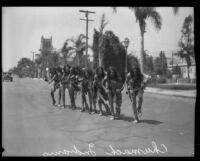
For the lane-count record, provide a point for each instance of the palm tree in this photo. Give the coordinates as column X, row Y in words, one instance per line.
column 65, row 51
column 78, row 47
column 186, row 43
column 142, row 14
column 103, row 23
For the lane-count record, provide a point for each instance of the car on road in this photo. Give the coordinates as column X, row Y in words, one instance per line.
column 7, row 76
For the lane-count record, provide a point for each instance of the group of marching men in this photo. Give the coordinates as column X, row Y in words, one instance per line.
column 102, row 86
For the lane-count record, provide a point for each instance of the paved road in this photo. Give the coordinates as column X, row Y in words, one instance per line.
column 33, row 127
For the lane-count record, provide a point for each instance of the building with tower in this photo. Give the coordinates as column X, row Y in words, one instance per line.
column 46, row 48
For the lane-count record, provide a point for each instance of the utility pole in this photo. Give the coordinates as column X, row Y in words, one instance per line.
column 33, row 55
column 172, row 60
column 33, row 62
column 87, row 20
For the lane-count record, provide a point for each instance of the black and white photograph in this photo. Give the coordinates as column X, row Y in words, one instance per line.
column 98, row 81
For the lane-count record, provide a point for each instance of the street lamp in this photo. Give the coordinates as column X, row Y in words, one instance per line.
column 126, row 44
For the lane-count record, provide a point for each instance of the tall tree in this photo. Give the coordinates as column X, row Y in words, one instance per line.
column 95, row 49
column 25, row 67
column 160, row 64
column 103, row 24
column 113, row 52
column 176, row 70
column 186, row 43
column 141, row 15
column 38, row 62
column 148, row 64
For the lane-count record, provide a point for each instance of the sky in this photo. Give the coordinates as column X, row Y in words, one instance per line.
column 23, row 27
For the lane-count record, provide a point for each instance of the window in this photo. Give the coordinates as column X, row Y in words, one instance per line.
column 184, row 70
column 190, row 69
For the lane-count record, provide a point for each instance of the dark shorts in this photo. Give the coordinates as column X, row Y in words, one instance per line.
column 102, row 94
column 56, row 85
column 138, row 92
column 118, row 99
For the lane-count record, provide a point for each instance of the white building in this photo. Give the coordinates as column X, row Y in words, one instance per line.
column 177, row 61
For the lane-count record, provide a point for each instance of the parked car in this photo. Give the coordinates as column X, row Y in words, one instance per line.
column 7, row 76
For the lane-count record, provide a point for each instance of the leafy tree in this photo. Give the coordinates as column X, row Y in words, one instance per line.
column 160, row 64
column 186, row 43
column 132, row 61
column 176, row 70
column 148, row 64
column 25, row 67
column 169, row 74
column 53, row 59
column 113, row 52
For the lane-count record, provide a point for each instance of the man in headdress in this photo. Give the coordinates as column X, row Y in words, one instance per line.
column 87, row 89
column 65, row 82
column 56, row 75
column 112, row 84
column 135, row 88
column 99, row 92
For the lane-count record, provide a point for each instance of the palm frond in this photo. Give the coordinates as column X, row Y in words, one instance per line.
column 81, row 37
column 72, row 40
column 137, row 12
column 103, row 23
column 114, row 9
column 175, row 10
column 71, row 53
column 155, row 18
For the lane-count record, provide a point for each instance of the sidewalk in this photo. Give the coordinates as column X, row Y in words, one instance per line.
column 178, row 93
column 37, row 78
column 159, row 91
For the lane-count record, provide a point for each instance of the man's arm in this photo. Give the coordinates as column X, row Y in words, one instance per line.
column 104, row 81
column 51, row 80
column 128, row 77
column 145, row 80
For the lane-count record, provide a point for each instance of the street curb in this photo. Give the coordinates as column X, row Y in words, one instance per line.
column 191, row 97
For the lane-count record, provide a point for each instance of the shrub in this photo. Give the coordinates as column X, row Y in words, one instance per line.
column 169, row 74
column 161, row 80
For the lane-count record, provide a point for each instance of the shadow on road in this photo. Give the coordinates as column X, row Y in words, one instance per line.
column 130, row 119
column 153, row 122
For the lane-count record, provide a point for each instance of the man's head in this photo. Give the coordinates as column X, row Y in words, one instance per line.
column 112, row 73
column 67, row 68
column 59, row 71
column 136, row 73
column 100, row 71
